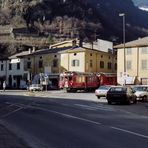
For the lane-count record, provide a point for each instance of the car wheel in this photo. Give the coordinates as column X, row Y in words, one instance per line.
column 98, row 97
column 109, row 102
column 135, row 101
column 130, row 101
column 144, row 98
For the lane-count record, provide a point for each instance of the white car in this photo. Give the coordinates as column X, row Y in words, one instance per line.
column 35, row 87
column 141, row 92
column 102, row 91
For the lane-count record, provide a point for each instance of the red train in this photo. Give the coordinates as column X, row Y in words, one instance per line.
column 73, row 81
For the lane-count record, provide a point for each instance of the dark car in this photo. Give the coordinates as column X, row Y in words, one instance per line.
column 121, row 94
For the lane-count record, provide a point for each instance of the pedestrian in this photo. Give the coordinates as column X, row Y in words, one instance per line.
column 4, row 85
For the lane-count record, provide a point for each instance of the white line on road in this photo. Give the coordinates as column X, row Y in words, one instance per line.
column 10, row 113
column 100, row 107
column 130, row 132
column 69, row 116
column 75, row 117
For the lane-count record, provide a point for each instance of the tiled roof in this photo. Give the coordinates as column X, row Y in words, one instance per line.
column 52, row 50
column 47, row 51
column 24, row 53
column 141, row 42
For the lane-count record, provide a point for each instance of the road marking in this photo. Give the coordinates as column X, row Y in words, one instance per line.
column 130, row 132
column 69, row 116
column 10, row 113
column 75, row 117
column 96, row 107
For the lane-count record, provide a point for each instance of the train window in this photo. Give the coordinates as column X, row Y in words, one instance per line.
column 70, row 78
column 83, row 78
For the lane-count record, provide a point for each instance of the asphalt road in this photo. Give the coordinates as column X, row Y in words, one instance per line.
column 59, row 120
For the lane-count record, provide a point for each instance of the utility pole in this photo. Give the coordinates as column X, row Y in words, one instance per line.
column 123, row 21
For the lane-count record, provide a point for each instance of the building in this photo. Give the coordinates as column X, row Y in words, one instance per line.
column 132, row 64
column 88, row 60
column 32, row 65
column 3, row 69
column 12, row 71
column 99, row 44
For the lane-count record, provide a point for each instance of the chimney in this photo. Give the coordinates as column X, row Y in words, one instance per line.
column 80, row 43
column 74, row 43
column 33, row 49
column 30, row 51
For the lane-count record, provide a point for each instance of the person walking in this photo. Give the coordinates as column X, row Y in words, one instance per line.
column 4, row 85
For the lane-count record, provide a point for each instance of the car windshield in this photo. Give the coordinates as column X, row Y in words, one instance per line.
column 140, row 88
column 118, row 89
column 104, row 87
column 35, row 85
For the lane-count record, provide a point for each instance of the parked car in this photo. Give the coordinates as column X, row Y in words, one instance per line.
column 102, row 91
column 35, row 87
column 121, row 94
column 141, row 92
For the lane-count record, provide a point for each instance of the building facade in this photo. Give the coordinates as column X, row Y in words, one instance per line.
column 88, row 60
column 12, row 71
column 132, row 67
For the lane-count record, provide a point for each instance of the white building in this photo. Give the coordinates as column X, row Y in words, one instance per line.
column 12, row 71
column 101, row 45
column 3, row 71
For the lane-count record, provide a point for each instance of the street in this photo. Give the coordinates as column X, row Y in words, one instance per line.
column 55, row 119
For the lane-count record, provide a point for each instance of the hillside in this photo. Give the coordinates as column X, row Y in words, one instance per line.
column 85, row 19
column 141, row 3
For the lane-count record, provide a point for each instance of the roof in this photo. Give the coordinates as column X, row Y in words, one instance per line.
column 24, row 53
column 53, row 50
column 79, row 49
column 141, row 42
column 47, row 51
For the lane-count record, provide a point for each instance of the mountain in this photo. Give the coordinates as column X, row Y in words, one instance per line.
column 86, row 19
column 141, row 3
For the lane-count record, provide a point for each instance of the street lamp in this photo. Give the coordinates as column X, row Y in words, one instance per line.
column 123, row 16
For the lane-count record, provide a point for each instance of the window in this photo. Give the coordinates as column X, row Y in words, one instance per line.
column 128, row 51
column 18, row 65
column 128, row 65
column 115, row 66
column 91, row 63
column 144, row 50
column 10, row 66
column 109, row 65
column 28, row 65
column 55, row 63
column 2, row 67
column 101, row 64
column 75, row 62
column 40, row 64
column 144, row 64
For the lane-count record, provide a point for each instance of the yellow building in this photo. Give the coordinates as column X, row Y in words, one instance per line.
column 132, row 63
column 87, row 60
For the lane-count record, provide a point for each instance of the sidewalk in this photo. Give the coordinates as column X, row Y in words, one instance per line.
column 9, row 140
